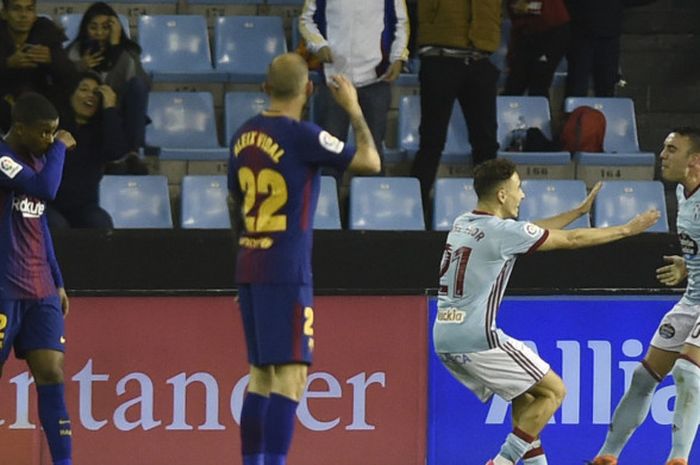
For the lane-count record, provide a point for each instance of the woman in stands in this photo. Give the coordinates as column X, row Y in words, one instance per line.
column 103, row 47
column 93, row 119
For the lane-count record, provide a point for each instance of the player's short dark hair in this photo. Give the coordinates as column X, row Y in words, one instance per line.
column 31, row 107
column 490, row 174
column 693, row 134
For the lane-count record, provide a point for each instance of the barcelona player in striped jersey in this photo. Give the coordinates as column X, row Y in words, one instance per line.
column 675, row 347
column 274, row 181
column 479, row 255
column 33, row 301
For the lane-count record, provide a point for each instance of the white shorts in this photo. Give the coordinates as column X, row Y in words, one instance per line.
column 508, row 370
column 681, row 325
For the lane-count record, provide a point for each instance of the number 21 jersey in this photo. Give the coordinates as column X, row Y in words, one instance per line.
column 476, row 264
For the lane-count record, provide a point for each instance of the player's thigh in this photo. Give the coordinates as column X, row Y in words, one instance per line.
column 260, row 380
column 290, row 380
column 550, row 386
column 46, row 365
column 660, row 361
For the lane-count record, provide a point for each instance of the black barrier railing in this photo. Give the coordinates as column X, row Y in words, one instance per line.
column 182, row 262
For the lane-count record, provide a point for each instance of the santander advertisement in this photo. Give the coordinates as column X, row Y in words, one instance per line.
column 160, row 381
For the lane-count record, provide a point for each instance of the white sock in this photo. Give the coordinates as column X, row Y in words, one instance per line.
column 512, row 450
column 539, row 459
column 630, row 412
column 687, row 412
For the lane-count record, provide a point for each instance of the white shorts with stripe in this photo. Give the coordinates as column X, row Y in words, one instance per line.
column 681, row 325
column 508, row 370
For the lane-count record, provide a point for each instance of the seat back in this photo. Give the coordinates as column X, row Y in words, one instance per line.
column 241, row 106
column 620, row 121
column 174, row 43
column 545, row 198
column 182, row 120
column 136, row 201
column 619, row 201
column 521, row 112
column 203, row 202
column 453, row 196
column 327, row 215
column 247, row 44
column 388, row 203
column 409, row 123
column 70, row 22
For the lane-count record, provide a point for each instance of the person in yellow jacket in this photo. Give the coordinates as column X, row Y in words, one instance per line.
column 455, row 39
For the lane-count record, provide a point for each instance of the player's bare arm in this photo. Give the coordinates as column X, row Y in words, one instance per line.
column 586, row 237
column 563, row 219
column 674, row 273
column 366, row 159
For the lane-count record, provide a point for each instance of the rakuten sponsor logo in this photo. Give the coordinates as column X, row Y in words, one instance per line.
column 137, row 412
column 28, row 208
column 576, row 376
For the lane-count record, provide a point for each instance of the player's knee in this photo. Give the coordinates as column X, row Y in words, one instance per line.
column 555, row 393
column 49, row 374
column 290, row 381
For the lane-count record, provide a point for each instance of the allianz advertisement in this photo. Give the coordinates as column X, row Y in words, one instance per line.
column 594, row 344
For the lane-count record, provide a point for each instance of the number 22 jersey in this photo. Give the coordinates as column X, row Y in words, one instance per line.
column 274, row 174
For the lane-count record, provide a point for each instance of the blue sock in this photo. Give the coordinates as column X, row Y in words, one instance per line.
column 279, row 428
column 252, row 427
column 54, row 419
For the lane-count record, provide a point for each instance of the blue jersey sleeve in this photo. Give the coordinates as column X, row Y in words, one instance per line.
column 18, row 176
column 321, row 148
column 50, row 254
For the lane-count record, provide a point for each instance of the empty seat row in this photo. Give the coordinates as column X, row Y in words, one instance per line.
column 391, row 203
column 176, row 47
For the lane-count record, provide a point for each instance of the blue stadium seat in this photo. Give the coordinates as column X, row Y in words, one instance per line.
column 453, row 196
column 527, row 112
column 203, row 202
column 386, row 203
column 618, row 202
column 136, row 201
column 545, row 198
column 71, row 25
column 239, row 107
column 183, row 125
column 327, row 214
column 457, row 147
column 620, row 120
column 176, row 48
column 244, row 46
column 622, row 158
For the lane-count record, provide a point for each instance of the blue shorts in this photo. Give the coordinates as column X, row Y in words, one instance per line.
column 278, row 322
column 30, row 324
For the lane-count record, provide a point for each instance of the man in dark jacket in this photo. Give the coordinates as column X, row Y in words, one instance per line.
column 31, row 56
column 594, row 52
column 455, row 40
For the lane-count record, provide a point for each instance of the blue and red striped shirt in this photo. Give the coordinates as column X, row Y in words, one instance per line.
column 28, row 266
column 274, row 174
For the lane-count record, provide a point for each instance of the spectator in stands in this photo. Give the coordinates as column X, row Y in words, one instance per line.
column 93, row 119
column 103, row 47
column 31, row 57
column 366, row 40
column 455, row 40
column 594, row 52
column 539, row 39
